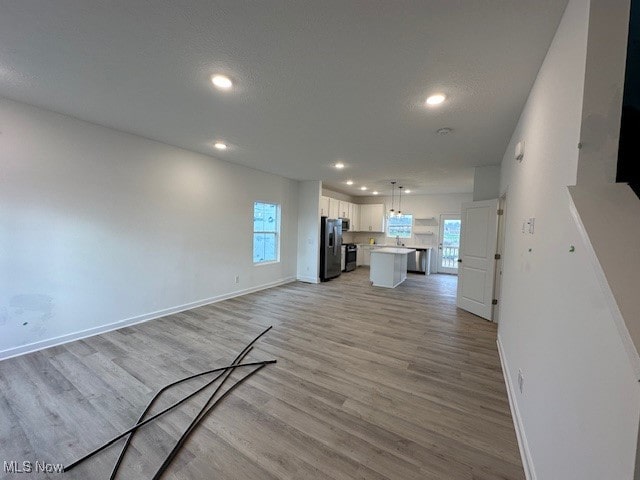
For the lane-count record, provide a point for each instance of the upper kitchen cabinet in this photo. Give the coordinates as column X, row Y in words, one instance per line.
column 364, row 218
column 355, row 217
column 324, row 206
column 344, row 209
column 334, row 208
column 371, row 218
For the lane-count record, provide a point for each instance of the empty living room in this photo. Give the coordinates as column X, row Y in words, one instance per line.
column 319, row 239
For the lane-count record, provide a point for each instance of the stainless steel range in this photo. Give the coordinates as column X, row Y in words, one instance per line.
column 351, row 253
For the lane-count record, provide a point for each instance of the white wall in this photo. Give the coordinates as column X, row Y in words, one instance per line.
column 579, row 409
column 99, row 227
column 309, row 231
column 337, row 195
column 421, row 206
column 486, row 182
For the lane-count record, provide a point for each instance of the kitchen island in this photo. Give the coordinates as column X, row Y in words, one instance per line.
column 389, row 266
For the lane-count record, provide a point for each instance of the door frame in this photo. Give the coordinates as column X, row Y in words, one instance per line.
column 497, row 282
column 439, row 267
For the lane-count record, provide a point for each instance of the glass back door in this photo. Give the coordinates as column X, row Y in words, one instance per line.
column 449, row 243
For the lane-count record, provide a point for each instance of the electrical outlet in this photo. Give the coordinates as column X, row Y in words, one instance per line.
column 520, row 380
column 237, row 278
column 528, row 225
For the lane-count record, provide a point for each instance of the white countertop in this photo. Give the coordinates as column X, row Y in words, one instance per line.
column 394, row 250
column 378, row 246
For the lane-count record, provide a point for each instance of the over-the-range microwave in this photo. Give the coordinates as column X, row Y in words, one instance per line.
column 346, row 224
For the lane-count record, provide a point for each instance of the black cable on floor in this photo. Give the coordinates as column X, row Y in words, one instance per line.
column 123, row 452
column 196, row 421
column 150, row 419
column 140, row 424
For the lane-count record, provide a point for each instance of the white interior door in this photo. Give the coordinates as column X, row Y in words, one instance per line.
column 477, row 257
column 448, row 243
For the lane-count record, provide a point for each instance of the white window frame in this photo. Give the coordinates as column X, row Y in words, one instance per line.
column 388, row 233
column 276, row 234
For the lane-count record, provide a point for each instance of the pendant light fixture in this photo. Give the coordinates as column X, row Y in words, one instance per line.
column 400, row 200
column 392, row 211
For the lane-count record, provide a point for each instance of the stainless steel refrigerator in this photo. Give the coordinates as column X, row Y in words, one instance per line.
column 330, row 247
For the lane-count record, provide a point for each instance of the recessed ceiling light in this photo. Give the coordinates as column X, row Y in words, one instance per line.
column 363, row 188
column 436, row 99
column 349, row 182
column 220, row 146
column 407, row 191
column 339, row 165
column 375, row 192
column 222, row 82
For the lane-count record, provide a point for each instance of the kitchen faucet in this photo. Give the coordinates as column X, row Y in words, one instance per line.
column 397, row 240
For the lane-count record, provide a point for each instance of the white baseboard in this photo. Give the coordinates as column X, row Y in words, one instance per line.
column 70, row 337
column 525, row 453
column 302, row 278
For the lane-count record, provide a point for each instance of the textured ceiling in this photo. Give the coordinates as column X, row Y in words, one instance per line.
column 316, row 81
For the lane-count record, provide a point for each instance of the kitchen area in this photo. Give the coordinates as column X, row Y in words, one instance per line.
column 357, row 235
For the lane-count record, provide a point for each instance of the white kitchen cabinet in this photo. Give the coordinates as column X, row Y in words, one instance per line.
column 371, row 218
column 360, row 255
column 389, row 266
column 324, row 206
column 344, row 209
column 355, row 217
column 364, row 254
column 334, row 208
column 364, row 218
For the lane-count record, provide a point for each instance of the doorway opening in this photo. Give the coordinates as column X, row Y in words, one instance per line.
column 449, row 244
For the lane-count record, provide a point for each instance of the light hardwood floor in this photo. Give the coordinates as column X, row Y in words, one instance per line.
column 370, row 383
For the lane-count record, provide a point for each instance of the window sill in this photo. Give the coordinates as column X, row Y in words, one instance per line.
column 260, row 264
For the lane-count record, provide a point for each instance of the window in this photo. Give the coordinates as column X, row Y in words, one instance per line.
column 400, row 226
column 266, row 232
